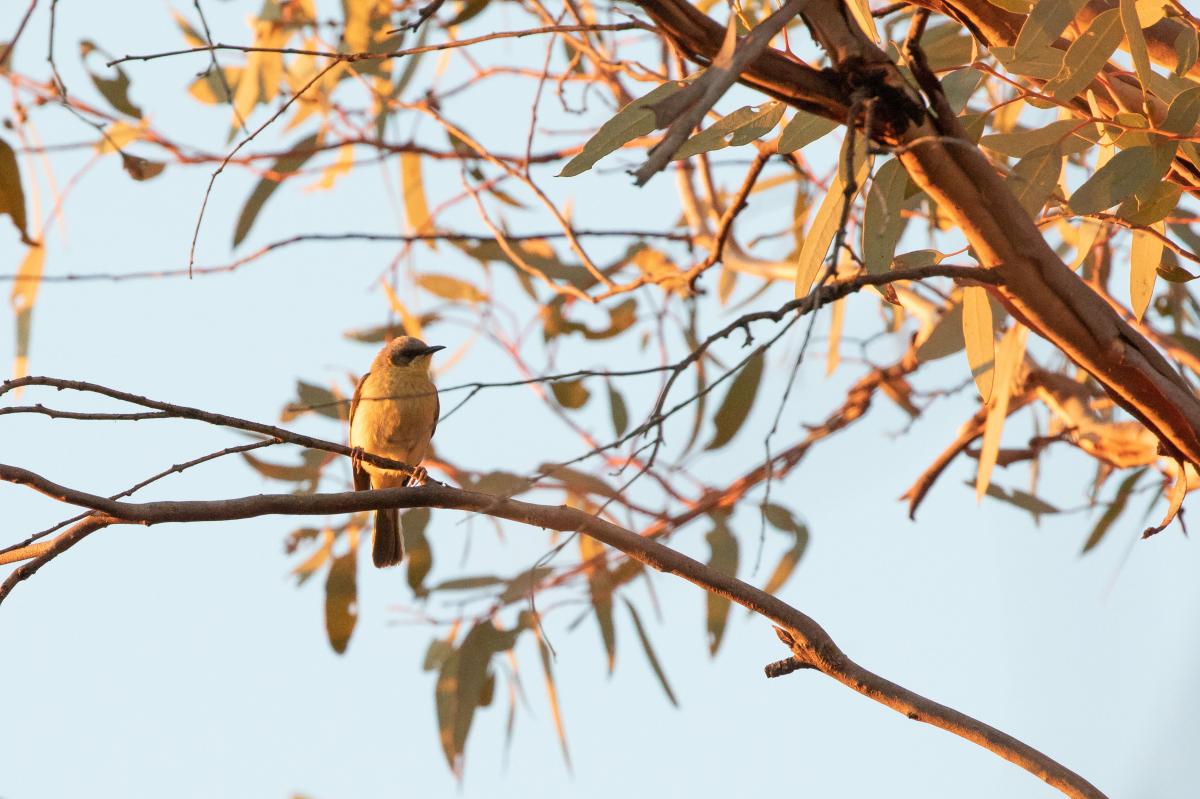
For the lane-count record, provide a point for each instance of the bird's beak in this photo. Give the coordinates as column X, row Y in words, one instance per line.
column 433, row 349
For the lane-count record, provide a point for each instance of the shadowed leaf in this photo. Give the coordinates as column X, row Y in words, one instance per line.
column 650, row 655
column 735, row 408
column 733, row 130
column 571, row 394
column 284, row 166
column 803, row 129
column 1087, row 55
column 632, row 121
column 12, row 196
column 341, row 600
column 1114, row 509
column 723, row 556
column 417, row 552
column 620, row 414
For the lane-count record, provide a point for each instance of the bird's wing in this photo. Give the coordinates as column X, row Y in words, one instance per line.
column 362, row 480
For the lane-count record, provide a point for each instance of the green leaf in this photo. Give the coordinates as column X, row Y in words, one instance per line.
column 577, row 481
column 1021, row 499
column 474, row 657
column 1113, row 510
column 733, row 130
column 1044, row 25
column 600, row 588
column 723, row 556
column 518, row 587
column 883, row 222
column 1070, row 135
column 435, row 656
column 115, row 90
column 1145, row 254
column 1086, row 56
column 1034, row 177
column 501, row 484
column 738, row 400
column 620, row 414
column 1183, row 112
column 804, row 129
column 571, row 394
column 450, row 288
column 917, row 258
column 1187, row 49
column 634, row 120
column 316, row 399
column 825, row 224
column 341, row 601
column 284, row 167
column 446, row 702
column 468, row 583
column 958, row 87
column 1126, row 173
column 1151, row 204
column 783, row 520
column 12, row 196
column 1138, row 51
column 1042, row 64
column 945, row 337
column 1170, row 270
column 417, row 552
column 649, row 650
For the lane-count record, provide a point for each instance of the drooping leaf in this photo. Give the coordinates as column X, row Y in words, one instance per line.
column 451, row 288
column 12, row 195
column 1136, row 40
column 24, row 294
column 417, row 553
column 733, row 130
column 1187, row 49
column 1009, row 356
column 735, row 408
column 634, row 120
column 944, row 338
column 1114, row 509
column 571, row 394
column 655, row 665
column 552, row 695
column 783, row 520
column 341, row 600
column 723, row 556
column 1174, row 499
column 437, row 653
column 837, row 317
column 1126, row 173
column 285, row 166
column 1087, row 55
column 474, row 657
column 803, row 129
column 446, row 702
column 825, row 224
column 520, row 586
column 620, row 414
column 979, row 338
column 416, row 207
column 1145, row 254
column 600, row 587
column 883, row 222
column 1021, row 499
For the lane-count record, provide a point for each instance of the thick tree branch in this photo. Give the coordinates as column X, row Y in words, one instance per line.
column 810, row 643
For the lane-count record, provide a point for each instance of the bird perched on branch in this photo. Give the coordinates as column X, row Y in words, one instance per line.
column 393, row 414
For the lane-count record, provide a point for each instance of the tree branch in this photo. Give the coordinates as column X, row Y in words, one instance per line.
column 810, row 643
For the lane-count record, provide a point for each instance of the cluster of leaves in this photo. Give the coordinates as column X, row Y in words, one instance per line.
column 1110, row 182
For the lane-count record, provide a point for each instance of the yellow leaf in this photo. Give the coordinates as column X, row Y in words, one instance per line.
column 979, row 338
column 24, row 292
column 1145, row 254
column 836, row 318
column 339, row 168
column 412, row 324
column 119, row 134
column 861, row 10
column 1008, row 361
column 415, row 205
column 825, row 223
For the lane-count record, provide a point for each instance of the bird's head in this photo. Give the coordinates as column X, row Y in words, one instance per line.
column 409, row 352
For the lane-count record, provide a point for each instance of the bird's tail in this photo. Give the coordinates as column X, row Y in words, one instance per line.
column 387, row 547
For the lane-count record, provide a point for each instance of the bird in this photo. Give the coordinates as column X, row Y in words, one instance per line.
column 393, row 414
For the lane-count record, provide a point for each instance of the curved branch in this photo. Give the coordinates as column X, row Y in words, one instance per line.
column 810, row 643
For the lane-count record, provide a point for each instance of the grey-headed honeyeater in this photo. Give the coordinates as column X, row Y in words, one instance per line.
column 393, row 414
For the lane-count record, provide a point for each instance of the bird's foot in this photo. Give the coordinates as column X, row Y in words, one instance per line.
column 418, row 477
column 356, row 455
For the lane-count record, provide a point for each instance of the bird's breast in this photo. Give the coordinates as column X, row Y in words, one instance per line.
column 395, row 415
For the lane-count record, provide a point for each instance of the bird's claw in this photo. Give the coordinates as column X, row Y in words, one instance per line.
column 356, row 456
column 419, row 476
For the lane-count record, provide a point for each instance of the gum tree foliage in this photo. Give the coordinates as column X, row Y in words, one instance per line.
column 954, row 176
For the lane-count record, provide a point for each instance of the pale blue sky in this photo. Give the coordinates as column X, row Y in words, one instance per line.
column 182, row 661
